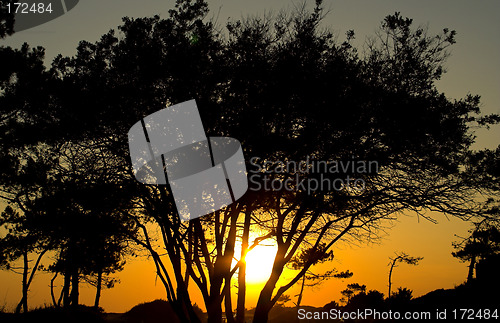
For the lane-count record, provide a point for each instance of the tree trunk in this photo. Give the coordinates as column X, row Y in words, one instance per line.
column 301, row 291
column 184, row 310
column 184, row 299
column 75, row 279
column 52, row 295
column 264, row 304
column 222, row 267
column 240, row 306
column 98, row 289
column 27, row 281
column 470, row 275
column 66, row 287
column 228, row 305
column 214, row 307
column 214, row 312
column 24, row 300
column 390, row 276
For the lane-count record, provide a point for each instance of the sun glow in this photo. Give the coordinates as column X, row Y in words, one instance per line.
column 260, row 263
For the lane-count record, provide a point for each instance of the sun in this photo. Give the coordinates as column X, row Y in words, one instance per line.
column 260, row 263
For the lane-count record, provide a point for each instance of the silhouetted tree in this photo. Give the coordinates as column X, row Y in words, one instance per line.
column 362, row 300
column 483, row 242
column 317, row 256
column 19, row 243
column 331, row 305
column 352, row 290
column 80, row 210
column 400, row 300
column 401, row 257
column 67, row 210
column 23, row 175
column 283, row 300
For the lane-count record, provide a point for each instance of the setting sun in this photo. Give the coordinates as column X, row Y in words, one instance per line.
column 260, row 263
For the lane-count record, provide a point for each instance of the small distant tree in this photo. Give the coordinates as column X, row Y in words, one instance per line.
column 371, row 299
column 403, row 293
column 352, row 290
column 312, row 279
column 285, row 298
column 482, row 243
column 401, row 257
column 331, row 305
column 401, row 298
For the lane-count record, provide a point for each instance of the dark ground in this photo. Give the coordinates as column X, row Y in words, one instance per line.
column 468, row 296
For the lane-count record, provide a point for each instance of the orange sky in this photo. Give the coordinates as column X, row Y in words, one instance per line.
column 438, row 269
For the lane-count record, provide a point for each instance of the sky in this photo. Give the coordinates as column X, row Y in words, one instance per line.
column 473, row 68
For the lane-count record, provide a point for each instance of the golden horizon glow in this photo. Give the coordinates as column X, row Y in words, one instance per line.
column 139, row 283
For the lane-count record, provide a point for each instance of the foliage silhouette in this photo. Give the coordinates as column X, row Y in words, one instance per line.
column 65, row 212
column 483, row 243
column 316, row 256
column 352, row 290
column 371, row 299
column 18, row 243
column 401, row 299
column 6, row 19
